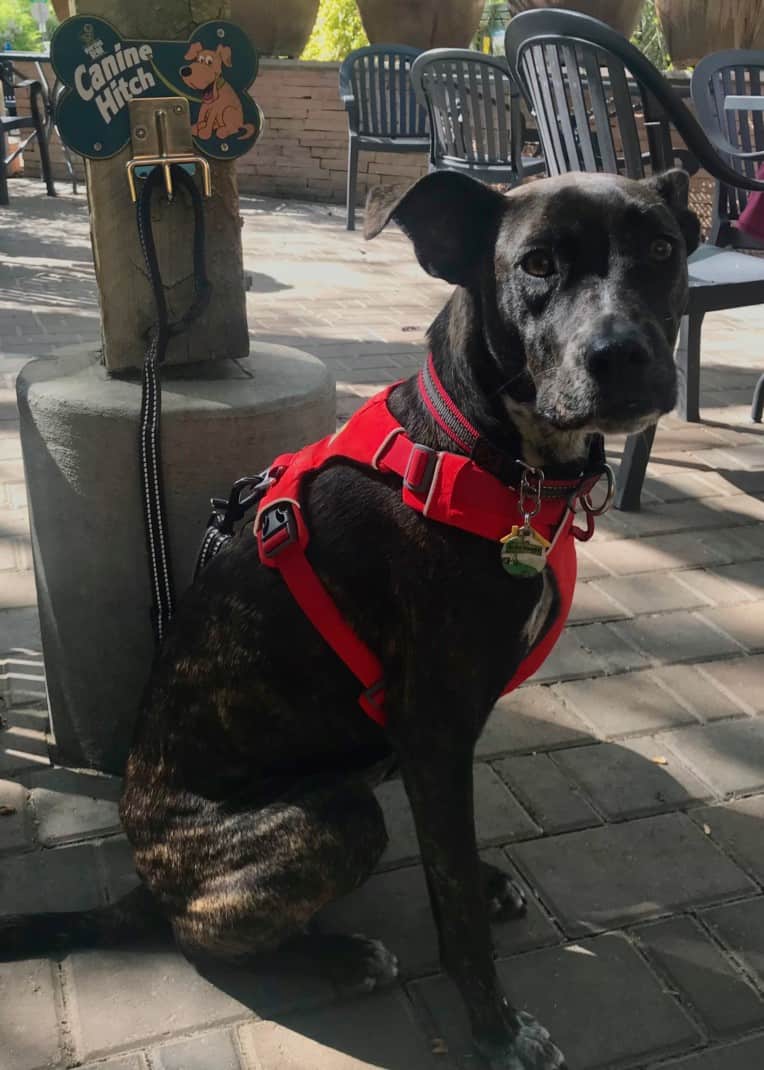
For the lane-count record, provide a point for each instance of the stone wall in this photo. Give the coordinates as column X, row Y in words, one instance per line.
column 302, row 152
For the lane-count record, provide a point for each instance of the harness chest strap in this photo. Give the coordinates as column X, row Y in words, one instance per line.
column 446, row 487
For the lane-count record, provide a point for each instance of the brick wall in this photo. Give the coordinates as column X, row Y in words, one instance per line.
column 302, row 152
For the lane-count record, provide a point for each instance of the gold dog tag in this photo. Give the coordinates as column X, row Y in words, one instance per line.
column 523, row 552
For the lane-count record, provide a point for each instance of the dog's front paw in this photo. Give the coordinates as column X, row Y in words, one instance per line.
column 531, row 1048
column 505, row 899
column 364, row 965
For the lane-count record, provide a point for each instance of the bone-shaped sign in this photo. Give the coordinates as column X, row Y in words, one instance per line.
column 212, row 69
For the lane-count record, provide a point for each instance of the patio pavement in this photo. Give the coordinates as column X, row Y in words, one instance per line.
column 624, row 786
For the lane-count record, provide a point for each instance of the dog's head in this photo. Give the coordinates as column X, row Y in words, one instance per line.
column 579, row 283
column 206, row 66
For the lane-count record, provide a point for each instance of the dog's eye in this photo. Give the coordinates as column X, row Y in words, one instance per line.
column 538, row 263
column 661, row 249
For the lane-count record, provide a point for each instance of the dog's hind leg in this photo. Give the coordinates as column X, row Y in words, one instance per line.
column 261, row 875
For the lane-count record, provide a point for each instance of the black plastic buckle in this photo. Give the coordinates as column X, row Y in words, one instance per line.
column 278, row 528
column 420, row 469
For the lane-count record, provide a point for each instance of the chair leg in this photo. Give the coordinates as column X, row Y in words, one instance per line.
column 3, row 173
column 352, row 181
column 42, row 142
column 688, row 365
column 757, row 405
column 631, row 476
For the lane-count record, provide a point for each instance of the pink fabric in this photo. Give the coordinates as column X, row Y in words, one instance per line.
column 752, row 217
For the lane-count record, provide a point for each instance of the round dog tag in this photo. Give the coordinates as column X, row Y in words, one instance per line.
column 523, row 552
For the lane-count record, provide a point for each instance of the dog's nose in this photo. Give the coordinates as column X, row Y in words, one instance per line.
column 617, row 353
column 185, row 71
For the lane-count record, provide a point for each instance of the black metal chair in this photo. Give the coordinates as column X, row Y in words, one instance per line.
column 383, row 112
column 580, row 77
column 728, row 95
column 475, row 113
column 36, row 122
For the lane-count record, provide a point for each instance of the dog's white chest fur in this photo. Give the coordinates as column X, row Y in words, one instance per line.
column 535, row 624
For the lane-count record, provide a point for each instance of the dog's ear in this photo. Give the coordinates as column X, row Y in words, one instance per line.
column 225, row 54
column 674, row 187
column 193, row 50
column 449, row 217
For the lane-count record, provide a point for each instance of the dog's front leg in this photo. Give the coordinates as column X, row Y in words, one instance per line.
column 440, row 789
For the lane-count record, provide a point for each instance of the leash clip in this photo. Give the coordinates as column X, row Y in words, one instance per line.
column 160, row 134
column 531, row 486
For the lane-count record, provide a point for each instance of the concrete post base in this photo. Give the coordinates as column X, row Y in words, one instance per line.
column 79, row 433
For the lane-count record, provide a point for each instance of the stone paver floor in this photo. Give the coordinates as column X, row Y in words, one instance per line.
column 624, row 786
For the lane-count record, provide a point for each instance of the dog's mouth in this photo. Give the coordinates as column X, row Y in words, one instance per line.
column 619, row 417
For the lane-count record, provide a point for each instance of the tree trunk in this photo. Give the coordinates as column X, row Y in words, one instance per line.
column 694, row 28
column 280, row 28
column 421, row 23
column 622, row 15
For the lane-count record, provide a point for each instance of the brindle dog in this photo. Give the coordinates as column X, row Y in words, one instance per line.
column 248, row 795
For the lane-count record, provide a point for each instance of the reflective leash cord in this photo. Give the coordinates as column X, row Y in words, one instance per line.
column 157, row 538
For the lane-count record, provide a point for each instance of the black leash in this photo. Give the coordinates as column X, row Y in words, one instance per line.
column 157, row 538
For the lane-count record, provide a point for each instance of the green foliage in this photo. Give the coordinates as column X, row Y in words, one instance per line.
column 648, row 37
column 338, row 30
column 18, row 26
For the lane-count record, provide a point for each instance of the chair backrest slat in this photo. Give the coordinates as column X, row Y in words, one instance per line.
column 378, row 77
column 469, row 98
column 560, row 94
column 583, row 130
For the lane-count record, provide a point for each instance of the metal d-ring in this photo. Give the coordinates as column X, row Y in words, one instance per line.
column 586, row 499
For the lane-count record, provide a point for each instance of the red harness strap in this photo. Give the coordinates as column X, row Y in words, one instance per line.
column 445, row 487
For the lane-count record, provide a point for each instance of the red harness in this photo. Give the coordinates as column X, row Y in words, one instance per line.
column 448, row 488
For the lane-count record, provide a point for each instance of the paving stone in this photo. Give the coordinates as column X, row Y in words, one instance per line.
column 550, row 799
column 498, row 816
column 587, row 996
column 63, row 879
column 115, row 861
column 15, row 827
column 128, row 998
column 695, row 688
column 723, row 585
column 745, row 624
column 741, row 678
column 22, row 680
column 737, row 828
column 686, row 955
column 211, row 1051
column 603, row 877
column 28, row 1016
column 624, row 781
column 394, row 907
column 680, row 636
column 740, row 926
column 569, row 660
column 606, row 644
column 23, row 742
column 728, row 755
column 379, row 1031
column 657, row 553
column 126, row 1062
column 650, row 593
column 588, row 567
column 745, row 1055
column 590, row 603
column 72, row 806
column 624, row 705
column 531, row 719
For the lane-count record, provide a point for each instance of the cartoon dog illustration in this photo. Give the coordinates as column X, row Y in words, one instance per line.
column 221, row 112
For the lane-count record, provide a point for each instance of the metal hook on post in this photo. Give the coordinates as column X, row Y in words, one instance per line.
column 160, row 132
